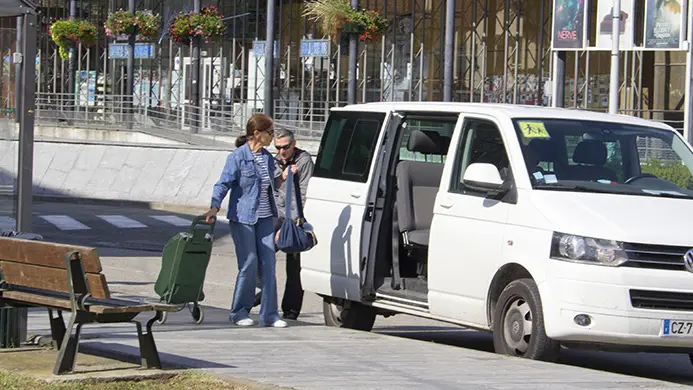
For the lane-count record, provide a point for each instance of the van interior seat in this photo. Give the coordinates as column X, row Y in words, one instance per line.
column 417, row 187
column 590, row 157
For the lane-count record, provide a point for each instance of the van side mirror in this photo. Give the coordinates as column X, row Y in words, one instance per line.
column 485, row 177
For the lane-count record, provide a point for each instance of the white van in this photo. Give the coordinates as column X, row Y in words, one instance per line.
column 548, row 227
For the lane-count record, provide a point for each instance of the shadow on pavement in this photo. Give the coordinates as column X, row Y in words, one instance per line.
column 131, row 354
column 674, row 368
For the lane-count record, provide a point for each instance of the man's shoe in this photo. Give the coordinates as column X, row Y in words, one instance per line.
column 290, row 315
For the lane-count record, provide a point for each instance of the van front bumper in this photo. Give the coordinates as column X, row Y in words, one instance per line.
column 604, row 294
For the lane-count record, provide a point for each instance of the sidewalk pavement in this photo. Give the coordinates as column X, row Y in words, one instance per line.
column 311, row 356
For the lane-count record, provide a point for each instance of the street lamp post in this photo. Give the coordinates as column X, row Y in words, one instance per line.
column 615, row 51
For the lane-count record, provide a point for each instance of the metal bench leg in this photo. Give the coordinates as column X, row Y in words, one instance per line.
column 57, row 327
column 68, row 348
column 148, row 354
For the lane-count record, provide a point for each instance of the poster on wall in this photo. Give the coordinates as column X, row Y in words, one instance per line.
column 605, row 12
column 663, row 24
column 569, row 21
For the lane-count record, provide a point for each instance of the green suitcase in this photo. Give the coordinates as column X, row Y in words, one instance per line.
column 184, row 266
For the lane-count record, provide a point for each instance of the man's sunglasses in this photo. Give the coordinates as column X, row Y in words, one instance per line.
column 285, row 147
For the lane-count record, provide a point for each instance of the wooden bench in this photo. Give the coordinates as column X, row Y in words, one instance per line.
column 69, row 278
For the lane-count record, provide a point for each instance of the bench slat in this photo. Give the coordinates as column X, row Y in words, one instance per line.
column 47, row 254
column 64, row 303
column 51, row 279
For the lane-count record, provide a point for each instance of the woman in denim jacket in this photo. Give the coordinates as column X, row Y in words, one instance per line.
column 248, row 178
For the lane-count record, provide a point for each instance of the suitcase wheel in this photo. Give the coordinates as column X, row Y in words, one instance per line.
column 162, row 320
column 198, row 314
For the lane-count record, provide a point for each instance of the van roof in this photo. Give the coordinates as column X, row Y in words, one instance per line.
column 510, row 110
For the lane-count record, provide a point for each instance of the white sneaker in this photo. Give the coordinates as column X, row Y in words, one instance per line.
column 278, row 324
column 245, row 322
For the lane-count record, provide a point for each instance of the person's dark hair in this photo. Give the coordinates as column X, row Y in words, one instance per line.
column 257, row 122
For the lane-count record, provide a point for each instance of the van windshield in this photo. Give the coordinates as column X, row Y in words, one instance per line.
column 605, row 157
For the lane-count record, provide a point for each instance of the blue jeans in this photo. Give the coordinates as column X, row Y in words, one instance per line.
column 255, row 246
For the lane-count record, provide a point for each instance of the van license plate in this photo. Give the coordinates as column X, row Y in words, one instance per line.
column 675, row 328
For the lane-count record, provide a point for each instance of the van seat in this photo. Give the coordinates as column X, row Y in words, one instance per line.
column 417, row 187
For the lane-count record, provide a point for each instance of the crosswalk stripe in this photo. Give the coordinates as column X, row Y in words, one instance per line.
column 63, row 222
column 7, row 223
column 172, row 219
column 122, row 221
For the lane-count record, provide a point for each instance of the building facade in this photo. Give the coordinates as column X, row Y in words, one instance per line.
column 502, row 53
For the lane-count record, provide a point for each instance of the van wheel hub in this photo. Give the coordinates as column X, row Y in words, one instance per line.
column 517, row 326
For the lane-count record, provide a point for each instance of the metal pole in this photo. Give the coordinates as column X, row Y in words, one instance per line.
column 558, row 79
column 130, row 84
column 18, row 71
column 195, row 79
column 353, row 59
column 26, row 125
column 615, row 40
column 269, row 59
column 71, row 65
column 688, row 97
column 449, row 49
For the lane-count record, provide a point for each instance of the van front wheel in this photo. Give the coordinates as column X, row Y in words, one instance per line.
column 351, row 315
column 518, row 323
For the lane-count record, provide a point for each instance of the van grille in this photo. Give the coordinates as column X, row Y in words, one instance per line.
column 661, row 300
column 655, row 256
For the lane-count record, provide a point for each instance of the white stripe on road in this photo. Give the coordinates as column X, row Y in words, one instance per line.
column 63, row 222
column 172, row 219
column 7, row 223
column 122, row 222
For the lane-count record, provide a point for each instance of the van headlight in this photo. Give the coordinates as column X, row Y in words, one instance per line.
column 587, row 250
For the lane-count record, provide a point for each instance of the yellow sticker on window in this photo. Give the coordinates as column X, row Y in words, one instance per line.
column 533, row 129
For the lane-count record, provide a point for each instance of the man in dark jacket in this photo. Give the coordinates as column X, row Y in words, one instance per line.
column 301, row 163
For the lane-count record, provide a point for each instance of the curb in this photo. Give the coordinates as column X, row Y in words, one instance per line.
column 162, row 206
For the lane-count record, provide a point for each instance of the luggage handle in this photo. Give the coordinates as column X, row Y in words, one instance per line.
column 200, row 220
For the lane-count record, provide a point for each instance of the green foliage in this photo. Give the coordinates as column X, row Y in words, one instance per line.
column 673, row 171
column 120, row 22
column 207, row 25
column 72, row 31
column 338, row 15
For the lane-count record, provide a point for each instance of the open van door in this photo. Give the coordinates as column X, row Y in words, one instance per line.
column 380, row 194
column 337, row 199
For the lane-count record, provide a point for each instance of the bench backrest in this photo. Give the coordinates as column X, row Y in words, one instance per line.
column 42, row 265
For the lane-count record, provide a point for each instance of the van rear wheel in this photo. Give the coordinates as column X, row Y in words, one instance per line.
column 348, row 314
column 518, row 323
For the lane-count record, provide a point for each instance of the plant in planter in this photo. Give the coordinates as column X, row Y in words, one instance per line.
column 123, row 23
column 335, row 16
column 148, row 24
column 72, row 31
column 120, row 22
column 207, row 25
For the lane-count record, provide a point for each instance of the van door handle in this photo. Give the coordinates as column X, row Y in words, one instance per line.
column 355, row 195
column 446, row 204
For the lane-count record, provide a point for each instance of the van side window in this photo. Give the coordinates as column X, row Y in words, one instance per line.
column 441, row 128
column 347, row 147
column 481, row 143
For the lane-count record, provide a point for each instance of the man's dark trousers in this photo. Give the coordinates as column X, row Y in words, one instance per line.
column 293, row 291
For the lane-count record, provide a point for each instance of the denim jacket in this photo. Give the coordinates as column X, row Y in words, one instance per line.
column 241, row 177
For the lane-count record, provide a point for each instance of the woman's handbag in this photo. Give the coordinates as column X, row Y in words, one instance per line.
column 297, row 235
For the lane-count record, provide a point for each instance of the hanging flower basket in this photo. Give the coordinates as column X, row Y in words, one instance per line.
column 148, row 24
column 335, row 16
column 72, row 31
column 206, row 25
column 120, row 22
column 145, row 23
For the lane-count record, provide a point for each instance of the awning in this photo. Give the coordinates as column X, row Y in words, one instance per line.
column 9, row 8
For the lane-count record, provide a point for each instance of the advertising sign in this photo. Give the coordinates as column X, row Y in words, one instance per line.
column 569, row 24
column 663, row 24
column 605, row 12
